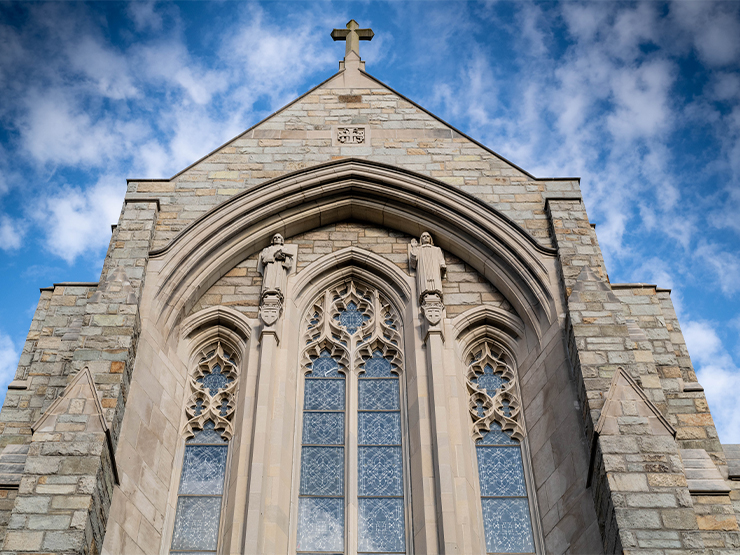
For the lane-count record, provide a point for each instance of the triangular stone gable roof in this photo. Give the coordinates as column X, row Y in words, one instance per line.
column 307, row 133
column 628, row 410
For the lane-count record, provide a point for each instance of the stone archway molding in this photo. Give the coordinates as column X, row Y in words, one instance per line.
column 352, row 189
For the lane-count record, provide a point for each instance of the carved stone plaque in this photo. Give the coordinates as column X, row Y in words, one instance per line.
column 350, row 135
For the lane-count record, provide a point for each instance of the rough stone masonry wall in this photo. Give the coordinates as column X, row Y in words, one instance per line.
column 64, row 497
column 43, row 370
column 399, row 133
column 638, row 479
column 652, row 310
column 463, row 286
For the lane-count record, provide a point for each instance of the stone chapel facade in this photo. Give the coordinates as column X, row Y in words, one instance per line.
column 353, row 329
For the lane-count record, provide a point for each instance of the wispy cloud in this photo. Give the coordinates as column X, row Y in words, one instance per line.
column 719, row 375
column 8, row 360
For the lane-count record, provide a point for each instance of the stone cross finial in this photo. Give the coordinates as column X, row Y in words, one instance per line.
column 352, row 35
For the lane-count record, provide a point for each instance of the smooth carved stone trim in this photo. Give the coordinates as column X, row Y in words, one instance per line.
column 504, row 400
column 219, row 407
column 702, row 474
column 487, row 240
column 217, row 316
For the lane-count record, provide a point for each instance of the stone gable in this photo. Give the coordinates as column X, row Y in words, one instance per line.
column 396, row 132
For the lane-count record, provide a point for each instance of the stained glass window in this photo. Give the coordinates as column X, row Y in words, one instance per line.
column 381, row 526
column 321, row 494
column 506, row 518
column 198, row 512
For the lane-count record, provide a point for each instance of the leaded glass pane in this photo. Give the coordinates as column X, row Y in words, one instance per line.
column 324, row 395
column 215, row 381
column 323, row 428
column 489, row 380
column 377, row 367
column 379, row 428
column 320, row 524
column 207, row 435
column 380, row 471
column 322, row 471
column 507, row 526
column 203, row 470
column 352, row 318
column 496, row 437
column 379, row 394
column 325, row 367
column 501, row 471
column 196, row 523
column 381, row 526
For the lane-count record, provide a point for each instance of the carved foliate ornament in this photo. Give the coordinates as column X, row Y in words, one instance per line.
column 212, row 385
column 493, row 391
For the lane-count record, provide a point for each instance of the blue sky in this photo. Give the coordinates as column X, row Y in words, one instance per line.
column 641, row 100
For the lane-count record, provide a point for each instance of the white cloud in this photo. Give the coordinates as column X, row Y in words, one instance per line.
column 11, row 234
column 78, row 221
column 144, row 16
column 9, row 356
column 719, row 375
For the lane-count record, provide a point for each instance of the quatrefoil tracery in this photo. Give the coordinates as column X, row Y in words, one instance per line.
column 493, row 394
column 352, row 321
column 212, row 387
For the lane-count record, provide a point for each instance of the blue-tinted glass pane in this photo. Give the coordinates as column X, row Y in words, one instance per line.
column 320, row 524
column 192, row 552
column 324, row 395
column 379, row 394
column 379, row 428
column 377, row 367
column 380, row 471
column 489, row 380
column 507, row 526
column 207, row 435
column 323, row 428
column 501, row 471
column 325, row 367
column 215, row 380
column 380, row 525
column 496, row 437
column 322, row 471
column 196, row 523
column 203, row 470
column 352, row 318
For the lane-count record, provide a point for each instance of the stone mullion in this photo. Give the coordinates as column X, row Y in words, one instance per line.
column 441, row 444
column 66, row 492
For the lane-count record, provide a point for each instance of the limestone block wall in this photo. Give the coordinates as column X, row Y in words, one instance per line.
column 463, row 286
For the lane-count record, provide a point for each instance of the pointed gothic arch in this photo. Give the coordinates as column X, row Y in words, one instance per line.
column 484, row 238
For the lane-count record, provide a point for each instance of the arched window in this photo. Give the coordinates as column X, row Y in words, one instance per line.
column 498, row 433
column 352, row 478
column 208, row 430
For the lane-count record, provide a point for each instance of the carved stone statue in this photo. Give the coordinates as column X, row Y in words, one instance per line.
column 430, row 266
column 275, row 264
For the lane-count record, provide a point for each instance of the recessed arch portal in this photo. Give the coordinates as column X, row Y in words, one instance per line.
column 353, row 190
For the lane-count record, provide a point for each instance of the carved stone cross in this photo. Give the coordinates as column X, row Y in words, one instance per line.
column 352, row 35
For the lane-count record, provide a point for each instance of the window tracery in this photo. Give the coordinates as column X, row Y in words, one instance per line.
column 209, row 409
column 352, row 358
column 498, row 432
